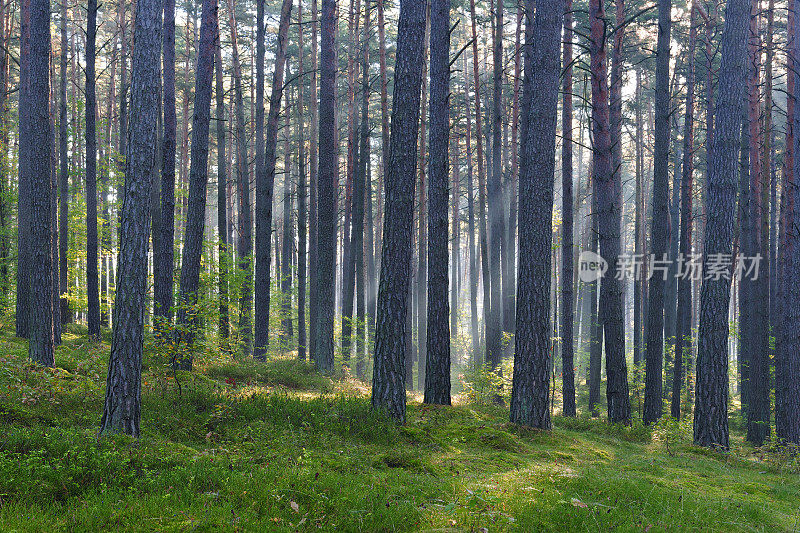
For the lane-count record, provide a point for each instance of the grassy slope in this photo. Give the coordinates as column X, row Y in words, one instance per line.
column 275, row 447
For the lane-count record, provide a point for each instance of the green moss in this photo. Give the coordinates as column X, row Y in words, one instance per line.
column 274, row 446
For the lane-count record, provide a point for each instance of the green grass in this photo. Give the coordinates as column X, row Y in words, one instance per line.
column 253, row 447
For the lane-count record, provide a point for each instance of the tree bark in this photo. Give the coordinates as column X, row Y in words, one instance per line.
column 302, row 193
column 530, row 398
column 567, row 351
column 122, row 407
column 187, row 321
column 327, row 193
column 388, row 383
column 222, row 200
column 654, row 351
column 437, row 366
column 63, row 178
column 164, row 258
column 711, row 402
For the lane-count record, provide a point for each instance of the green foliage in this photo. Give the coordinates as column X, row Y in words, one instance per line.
column 273, row 446
column 481, row 384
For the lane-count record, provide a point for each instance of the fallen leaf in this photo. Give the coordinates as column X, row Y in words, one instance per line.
column 294, row 506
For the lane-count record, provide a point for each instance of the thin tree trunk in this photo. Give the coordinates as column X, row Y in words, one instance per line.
column 654, row 356
column 222, row 200
column 63, row 179
column 567, row 355
column 608, row 213
column 164, row 258
column 422, row 229
column 312, row 214
column 302, row 192
column 187, row 321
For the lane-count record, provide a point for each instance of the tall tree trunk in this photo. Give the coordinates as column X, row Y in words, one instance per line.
column 265, row 186
column 164, row 258
column 122, row 407
column 422, row 230
column 567, row 355
column 530, row 398
column 198, row 180
column 756, row 349
column 482, row 237
column 787, row 357
column 313, row 307
column 288, row 238
column 494, row 325
column 244, row 248
column 437, row 366
column 92, row 279
column 654, row 356
column 302, row 192
column 385, row 146
column 327, row 193
column 640, row 235
column 711, row 403
column 360, row 196
column 608, row 213
column 472, row 255
column 683, row 339
column 222, row 200
column 388, row 382
column 35, row 171
column 63, row 178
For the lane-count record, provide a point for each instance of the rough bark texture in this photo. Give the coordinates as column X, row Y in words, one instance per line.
column 388, row 381
column 35, row 169
column 265, row 185
column 654, row 354
column 312, row 211
column 327, row 193
column 63, row 176
column 92, row 278
column 222, row 200
column 787, row 360
column 198, row 181
column 164, row 255
column 530, row 398
column 437, row 366
column 711, row 401
column 494, row 324
column 121, row 411
column 302, row 198
column 683, row 339
column 608, row 214
column 568, row 268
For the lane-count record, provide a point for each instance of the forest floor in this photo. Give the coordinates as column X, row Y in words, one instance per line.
column 274, row 447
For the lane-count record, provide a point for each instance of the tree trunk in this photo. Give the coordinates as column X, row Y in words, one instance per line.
column 198, row 180
column 313, row 307
column 92, row 279
column 302, row 192
column 472, row 255
column 683, row 334
column 654, row 356
column 608, row 213
column 63, row 178
column 327, row 193
column 388, row 383
column 437, row 366
column 567, row 342
column 422, row 230
column 164, row 255
column 222, row 200
column 494, row 325
column 122, row 408
column 530, row 398
column 288, row 238
column 711, row 404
